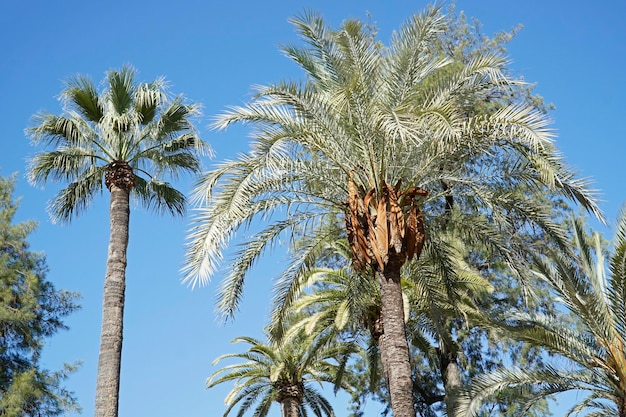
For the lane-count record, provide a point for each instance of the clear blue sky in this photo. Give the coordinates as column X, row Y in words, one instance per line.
column 213, row 52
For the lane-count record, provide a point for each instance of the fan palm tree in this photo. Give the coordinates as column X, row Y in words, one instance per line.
column 381, row 136
column 285, row 373
column 127, row 138
column 594, row 345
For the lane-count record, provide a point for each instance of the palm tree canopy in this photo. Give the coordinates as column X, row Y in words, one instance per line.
column 378, row 127
column 594, row 343
column 270, row 372
column 128, row 125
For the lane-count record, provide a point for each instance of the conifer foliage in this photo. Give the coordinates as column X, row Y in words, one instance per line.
column 31, row 309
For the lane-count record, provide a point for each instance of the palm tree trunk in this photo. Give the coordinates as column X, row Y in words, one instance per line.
column 375, row 328
column 290, row 407
column 395, row 349
column 110, row 357
column 451, row 376
column 621, row 406
column 448, row 358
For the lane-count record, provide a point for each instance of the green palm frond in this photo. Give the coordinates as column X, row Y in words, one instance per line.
column 546, row 332
column 547, row 382
column 82, row 94
column 78, row 195
column 122, row 89
column 175, row 118
column 160, row 196
column 245, row 193
column 262, row 409
column 413, row 58
column 593, row 402
column 148, row 97
column 338, row 299
column 247, row 397
column 319, row 405
column 302, row 273
column 617, row 289
column 231, row 287
column 53, row 130
column 63, row 164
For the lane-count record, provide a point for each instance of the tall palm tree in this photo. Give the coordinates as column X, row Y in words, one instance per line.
column 128, row 138
column 385, row 138
column 285, row 373
column 594, row 344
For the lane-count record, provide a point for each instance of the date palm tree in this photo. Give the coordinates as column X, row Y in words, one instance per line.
column 284, row 372
column 593, row 344
column 127, row 138
column 385, row 138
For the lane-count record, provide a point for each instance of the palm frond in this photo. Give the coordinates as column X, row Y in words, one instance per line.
column 81, row 94
column 62, row 164
column 121, row 93
column 147, row 99
column 77, row 196
column 544, row 382
column 412, row 58
column 321, row 61
column 160, row 196
column 617, row 287
column 175, row 118
column 53, row 130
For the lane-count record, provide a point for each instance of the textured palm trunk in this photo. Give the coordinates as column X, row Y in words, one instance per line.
column 394, row 346
column 621, row 406
column 290, row 407
column 109, row 359
column 451, row 376
column 448, row 358
column 376, row 332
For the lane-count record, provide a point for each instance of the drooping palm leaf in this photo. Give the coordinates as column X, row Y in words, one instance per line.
column 593, row 345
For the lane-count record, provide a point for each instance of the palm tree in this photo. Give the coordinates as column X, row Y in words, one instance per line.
column 127, row 138
column 594, row 344
column 386, row 138
column 285, row 373
column 437, row 289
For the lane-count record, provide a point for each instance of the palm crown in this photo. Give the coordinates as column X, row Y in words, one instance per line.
column 372, row 129
column 593, row 344
column 131, row 134
column 283, row 372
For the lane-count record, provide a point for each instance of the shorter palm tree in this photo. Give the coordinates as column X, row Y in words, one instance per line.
column 285, row 373
column 594, row 346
